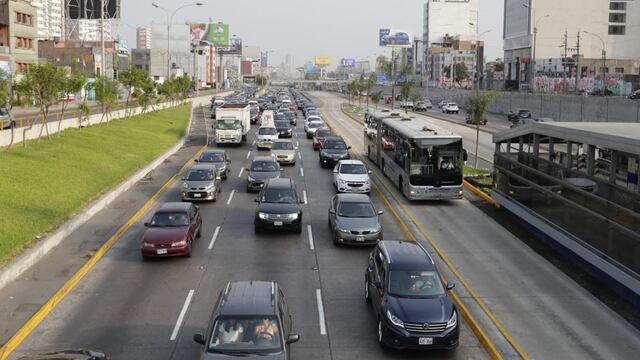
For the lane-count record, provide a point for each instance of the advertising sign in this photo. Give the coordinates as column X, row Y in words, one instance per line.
column 348, row 63
column 322, row 60
column 234, row 48
column 395, row 38
column 264, row 59
column 309, row 68
column 214, row 34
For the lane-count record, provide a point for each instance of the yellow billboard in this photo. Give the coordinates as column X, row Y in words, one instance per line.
column 322, row 60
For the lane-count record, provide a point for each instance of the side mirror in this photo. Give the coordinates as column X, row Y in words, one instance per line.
column 195, row 160
column 380, row 212
column 450, row 286
column 292, row 338
column 295, row 148
column 146, row 224
column 348, row 147
column 335, row 171
column 301, row 201
column 465, row 155
column 213, row 127
column 332, row 211
column 369, row 172
column 199, row 338
column 281, row 169
column 184, row 179
column 218, row 178
column 256, row 200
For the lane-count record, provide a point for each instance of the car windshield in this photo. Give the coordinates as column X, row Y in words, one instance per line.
column 282, row 145
column 452, row 104
column 267, row 131
column 415, row 283
column 169, row 220
column 323, row 133
column 264, row 166
column 279, row 117
column 353, row 169
column 212, row 157
column 335, row 145
column 356, row 210
column 282, row 124
column 200, row 175
column 278, row 196
column 245, row 334
column 315, row 124
column 228, row 124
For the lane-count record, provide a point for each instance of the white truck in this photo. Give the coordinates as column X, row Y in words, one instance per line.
column 233, row 122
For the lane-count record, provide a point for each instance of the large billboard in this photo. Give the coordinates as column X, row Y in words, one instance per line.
column 395, row 38
column 214, row 34
column 322, row 60
column 91, row 9
column 264, row 59
column 234, row 48
column 348, row 63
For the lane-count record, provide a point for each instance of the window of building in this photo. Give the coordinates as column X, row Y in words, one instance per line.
column 22, row 67
column 24, row 19
column 617, row 29
column 618, row 18
column 619, row 70
column 617, row 6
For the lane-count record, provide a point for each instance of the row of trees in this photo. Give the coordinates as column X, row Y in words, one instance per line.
column 46, row 85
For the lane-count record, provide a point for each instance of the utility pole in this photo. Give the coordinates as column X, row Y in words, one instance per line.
column 577, row 62
column 103, row 59
column 564, row 62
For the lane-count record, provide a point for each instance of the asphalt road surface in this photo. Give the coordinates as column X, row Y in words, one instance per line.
column 130, row 308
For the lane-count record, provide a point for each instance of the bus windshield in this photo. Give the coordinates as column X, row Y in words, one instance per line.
column 436, row 162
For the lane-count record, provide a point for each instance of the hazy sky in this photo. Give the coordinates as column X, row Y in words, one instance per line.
column 338, row 28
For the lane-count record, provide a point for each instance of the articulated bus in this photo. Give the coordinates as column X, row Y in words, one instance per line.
column 425, row 161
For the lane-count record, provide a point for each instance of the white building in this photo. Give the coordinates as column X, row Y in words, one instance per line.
column 89, row 30
column 613, row 23
column 50, row 19
column 444, row 18
column 143, row 37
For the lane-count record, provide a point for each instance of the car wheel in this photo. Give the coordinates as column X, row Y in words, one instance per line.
column 367, row 296
column 145, row 258
column 381, row 338
column 199, row 233
column 298, row 228
column 257, row 229
column 335, row 238
column 215, row 197
column 188, row 254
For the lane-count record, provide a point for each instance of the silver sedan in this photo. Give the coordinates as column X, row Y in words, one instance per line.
column 354, row 220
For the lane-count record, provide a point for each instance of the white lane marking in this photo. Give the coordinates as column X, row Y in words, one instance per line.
column 323, row 326
column 299, row 155
column 231, row 197
column 302, row 172
column 304, row 196
column 183, row 312
column 248, row 154
column 310, row 233
column 298, row 143
column 240, row 174
column 253, row 143
column 215, row 236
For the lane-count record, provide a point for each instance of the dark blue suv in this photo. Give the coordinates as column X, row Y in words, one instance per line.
column 410, row 301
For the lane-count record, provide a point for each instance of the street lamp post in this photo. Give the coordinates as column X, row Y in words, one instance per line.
column 604, row 60
column 169, row 20
column 532, row 72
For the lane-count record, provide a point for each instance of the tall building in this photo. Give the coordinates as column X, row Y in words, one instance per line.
column 450, row 26
column 143, row 38
column 603, row 25
column 89, row 30
column 50, row 19
column 20, row 37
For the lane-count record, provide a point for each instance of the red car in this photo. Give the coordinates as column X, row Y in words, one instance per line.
column 293, row 108
column 171, row 231
column 319, row 137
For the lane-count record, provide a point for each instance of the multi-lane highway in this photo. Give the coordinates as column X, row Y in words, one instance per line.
column 131, row 309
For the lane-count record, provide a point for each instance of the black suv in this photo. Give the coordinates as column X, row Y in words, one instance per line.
column 284, row 128
column 410, row 301
column 278, row 206
column 250, row 320
column 332, row 150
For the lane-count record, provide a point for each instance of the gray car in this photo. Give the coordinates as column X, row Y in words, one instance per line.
column 217, row 158
column 262, row 168
column 202, row 182
column 354, row 220
column 284, row 151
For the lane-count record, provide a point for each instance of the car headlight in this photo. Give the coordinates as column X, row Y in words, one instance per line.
column 394, row 319
column 148, row 245
column 209, row 187
column 179, row 243
column 185, row 185
column 250, row 179
column 346, row 231
column 453, row 321
column 262, row 215
column 293, row 216
column 377, row 229
column 341, row 181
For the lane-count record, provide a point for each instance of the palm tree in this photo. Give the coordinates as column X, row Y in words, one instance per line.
column 375, row 97
column 476, row 107
column 371, row 82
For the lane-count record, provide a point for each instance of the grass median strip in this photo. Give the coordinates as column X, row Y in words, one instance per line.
column 46, row 183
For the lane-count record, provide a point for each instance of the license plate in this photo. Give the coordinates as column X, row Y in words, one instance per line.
column 425, row 341
column 161, row 251
column 277, row 223
column 197, row 195
column 359, row 238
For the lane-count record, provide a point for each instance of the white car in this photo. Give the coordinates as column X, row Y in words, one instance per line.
column 284, row 151
column 442, row 103
column 266, row 136
column 450, row 108
column 312, row 126
column 351, row 176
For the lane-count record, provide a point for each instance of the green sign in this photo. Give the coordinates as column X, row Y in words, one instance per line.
column 217, row 34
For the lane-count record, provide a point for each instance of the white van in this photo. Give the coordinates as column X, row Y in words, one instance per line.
column 265, row 137
column 267, row 118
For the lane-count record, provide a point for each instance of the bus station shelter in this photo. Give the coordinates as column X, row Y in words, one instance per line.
column 575, row 185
